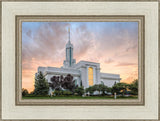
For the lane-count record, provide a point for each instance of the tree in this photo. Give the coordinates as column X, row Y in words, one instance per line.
column 56, row 82
column 32, row 92
column 60, row 83
column 41, row 85
column 120, row 88
column 69, row 83
column 134, row 87
column 81, row 83
column 24, row 92
column 98, row 87
column 103, row 88
column 90, row 89
column 79, row 91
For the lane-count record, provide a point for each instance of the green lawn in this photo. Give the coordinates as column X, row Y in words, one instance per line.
column 79, row 97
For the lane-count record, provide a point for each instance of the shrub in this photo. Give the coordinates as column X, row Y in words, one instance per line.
column 90, row 89
column 98, row 87
column 58, row 92
column 33, row 95
column 66, row 93
column 79, row 91
column 120, row 88
column 24, row 92
column 62, row 93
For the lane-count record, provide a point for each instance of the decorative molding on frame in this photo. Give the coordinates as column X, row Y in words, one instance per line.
column 20, row 102
column 79, row 0
column 98, row 18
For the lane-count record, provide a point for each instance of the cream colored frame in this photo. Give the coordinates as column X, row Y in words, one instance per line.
column 150, row 112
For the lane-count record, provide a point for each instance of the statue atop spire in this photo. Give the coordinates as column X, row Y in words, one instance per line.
column 69, row 41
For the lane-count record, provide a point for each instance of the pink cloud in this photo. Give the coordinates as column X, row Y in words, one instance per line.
column 126, row 64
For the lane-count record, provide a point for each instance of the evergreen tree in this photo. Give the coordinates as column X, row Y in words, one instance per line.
column 134, row 87
column 41, row 85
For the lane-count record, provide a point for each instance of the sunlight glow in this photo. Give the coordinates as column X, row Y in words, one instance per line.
column 90, row 76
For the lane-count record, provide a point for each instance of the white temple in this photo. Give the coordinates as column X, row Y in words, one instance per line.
column 85, row 73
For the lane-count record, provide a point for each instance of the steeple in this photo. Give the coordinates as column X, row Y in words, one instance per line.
column 69, row 41
column 69, row 34
column 69, row 62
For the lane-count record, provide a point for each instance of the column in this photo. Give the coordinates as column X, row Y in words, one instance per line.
column 87, row 83
column 94, row 75
column 98, row 75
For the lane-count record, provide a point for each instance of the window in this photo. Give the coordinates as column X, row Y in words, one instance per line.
column 76, row 82
column 90, row 76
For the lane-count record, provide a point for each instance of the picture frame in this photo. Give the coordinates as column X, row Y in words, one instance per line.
column 146, row 65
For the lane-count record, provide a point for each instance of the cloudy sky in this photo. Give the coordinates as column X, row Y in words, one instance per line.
column 112, row 44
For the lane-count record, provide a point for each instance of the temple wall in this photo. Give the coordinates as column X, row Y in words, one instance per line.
column 80, row 73
column 109, row 82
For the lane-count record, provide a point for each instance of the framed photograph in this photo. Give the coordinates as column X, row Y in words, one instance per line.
column 80, row 83
column 80, row 60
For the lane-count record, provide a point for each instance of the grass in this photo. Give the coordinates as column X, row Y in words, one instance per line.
column 79, row 97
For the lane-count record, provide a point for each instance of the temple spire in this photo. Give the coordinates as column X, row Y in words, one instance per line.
column 69, row 62
column 69, row 34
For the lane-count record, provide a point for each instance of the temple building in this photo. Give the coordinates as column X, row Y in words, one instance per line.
column 85, row 73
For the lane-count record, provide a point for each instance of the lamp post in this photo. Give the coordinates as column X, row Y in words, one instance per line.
column 115, row 95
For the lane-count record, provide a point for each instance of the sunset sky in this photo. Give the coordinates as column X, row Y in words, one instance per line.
column 112, row 44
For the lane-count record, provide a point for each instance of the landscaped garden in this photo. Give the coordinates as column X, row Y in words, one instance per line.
column 65, row 88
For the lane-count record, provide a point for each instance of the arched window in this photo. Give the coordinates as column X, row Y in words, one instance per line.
column 90, row 76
